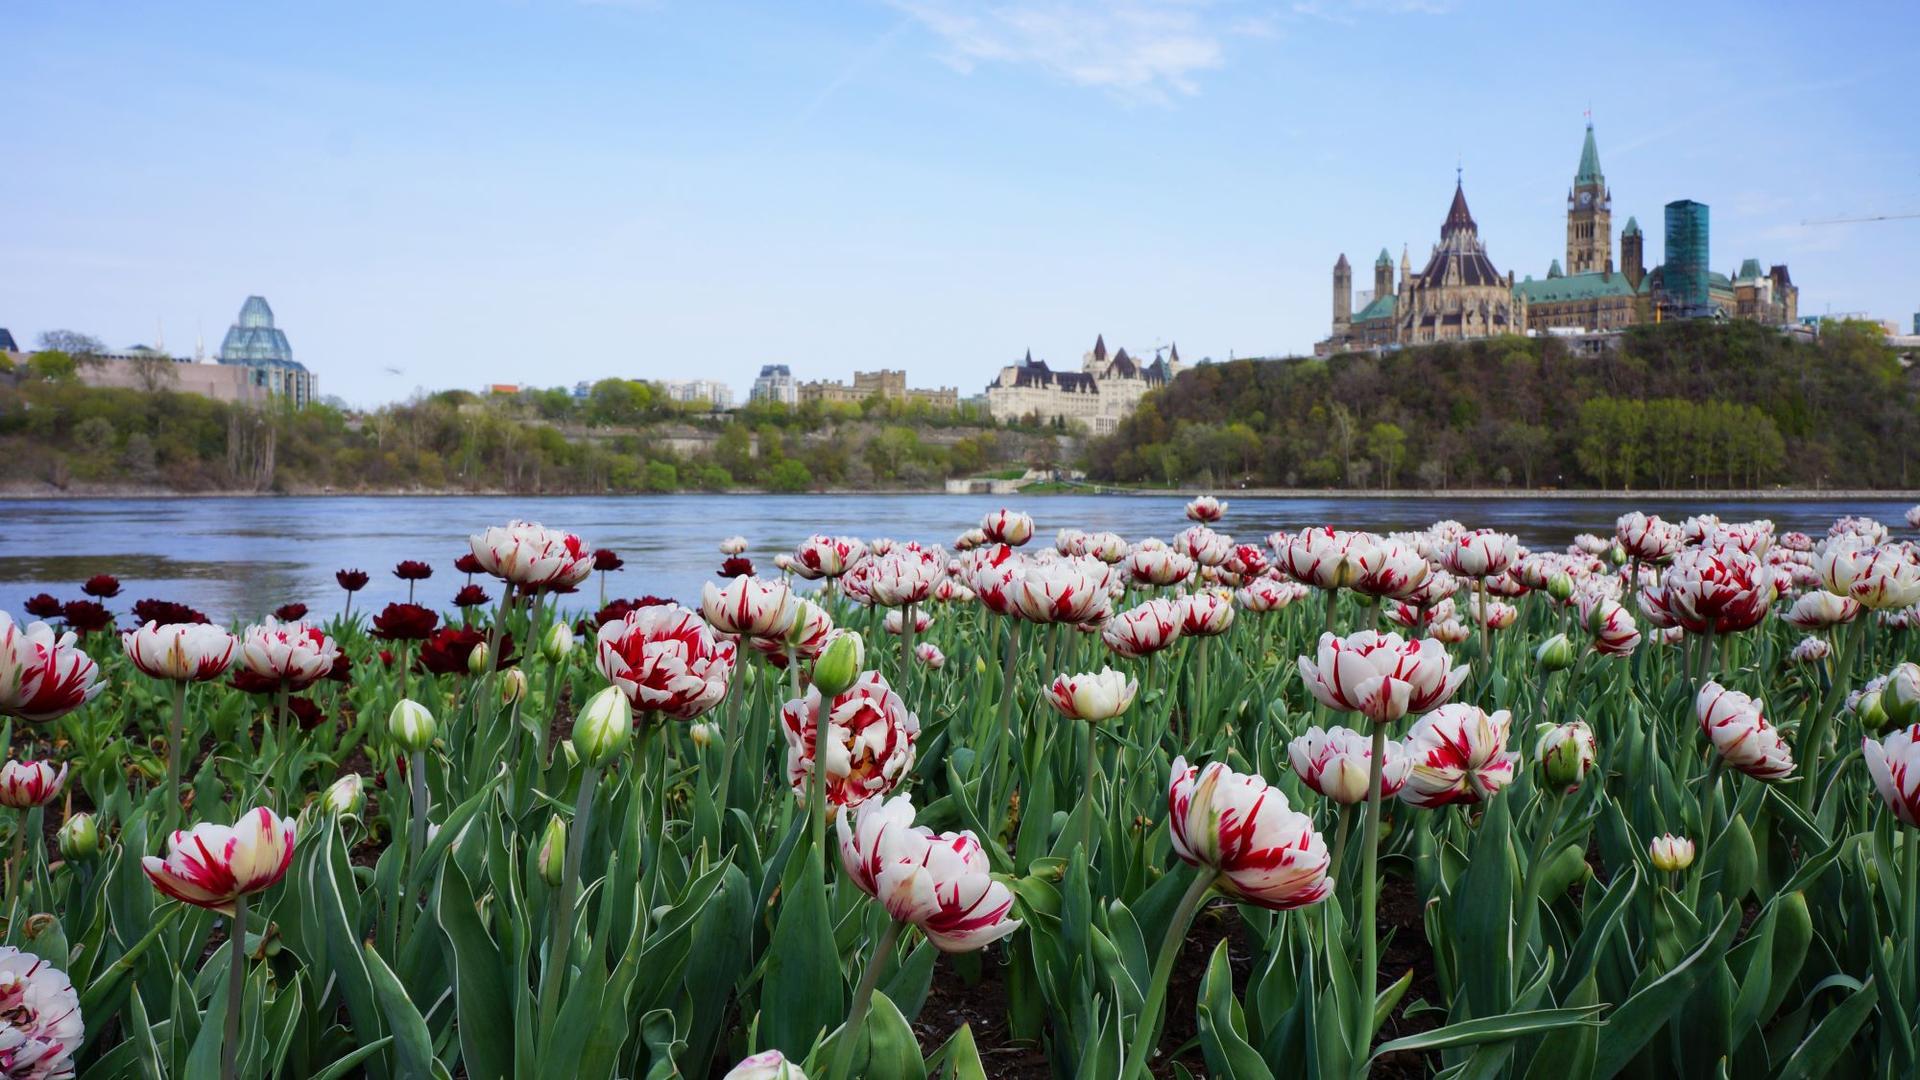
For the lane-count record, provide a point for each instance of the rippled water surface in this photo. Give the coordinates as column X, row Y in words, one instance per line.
column 235, row 558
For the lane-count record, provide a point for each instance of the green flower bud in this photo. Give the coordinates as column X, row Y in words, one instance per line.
column 478, row 659
column 1560, row 586
column 513, row 686
column 1617, row 555
column 558, row 642
column 345, row 796
column 411, row 726
column 1566, row 753
column 553, row 852
column 1901, row 698
column 840, row 664
column 1556, row 654
column 604, row 727
column 1869, row 706
column 79, row 837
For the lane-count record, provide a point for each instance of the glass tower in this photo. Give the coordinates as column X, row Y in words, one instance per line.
column 1685, row 276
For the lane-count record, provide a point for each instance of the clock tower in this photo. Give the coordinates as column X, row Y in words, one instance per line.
column 1589, row 215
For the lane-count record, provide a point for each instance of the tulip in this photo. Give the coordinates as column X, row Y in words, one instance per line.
column 1671, row 853
column 733, row 545
column 1566, row 754
column 840, row 663
column 295, row 655
column 479, row 661
column 27, row 784
column 1335, row 762
column 1820, row 609
column 553, row 852
column 1093, row 696
column 404, row 622
column 1901, row 698
column 812, row 629
column 1008, row 527
column 1143, row 630
column 1810, row 650
column 1067, row 590
column 1866, row 704
column 704, row 735
column 1560, row 586
column 869, row 744
column 604, row 726
column 667, row 661
column 1480, row 553
column 750, row 607
column 772, row 1065
column 1389, row 570
column 1459, row 754
column 1262, row 595
column 1325, row 558
column 86, row 616
column 1647, row 538
column 533, row 557
column 1612, row 627
column 43, row 676
column 1242, row 830
column 1203, row 545
column 1741, row 734
column 930, row 655
column 1158, row 566
column 42, row 1028
column 904, row 576
column 218, row 867
column 1380, row 675
column 513, row 686
column 345, row 796
column 411, row 726
column 79, row 837
column 1205, row 614
column 45, row 606
column 1555, row 654
column 821, row 556
column 1894, row 764
column 896, row 622
column 1206, row 510
column 182, row 653
column 1496, row 615
column 471, row 596
column 1716, row 592
column 1109, row 548
column 1883, row 578
column 558, row 642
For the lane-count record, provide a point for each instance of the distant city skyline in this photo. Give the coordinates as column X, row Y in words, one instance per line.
column 546, row 192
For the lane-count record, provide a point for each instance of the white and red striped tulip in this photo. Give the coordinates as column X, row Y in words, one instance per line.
column 27, row 784
column 869, row 743
column 1459, row 755
column 904, row 576
column 1810, row 650
column 812, row 629
column 896, row 620
column 1203, row 545
column 1110, row 548
column 43, row 675
column 1205, row 614
column 939, row 882
column 211, row 866
column 1144, row 629
column 1093, row 696
column 733, row 545
column 1647, row 538
column 664, row 659
column 1480, row 553
column 1010, row 527
column 295, row 654
column 1391, row 571
column 532, row 556
column 1449, row 631
column 1206, row 510
column 1323, row 557
column 1820, row 609
column 750, row 607
column 1336, row 761
column 952, row 591
column 1894, row 764
column 180, row 652
column 1381, row 676
column 1154, row 563
column 1612, row 627
column 1262, row 595
column 930, row 655
column 1265, row 853
column 1071, row 589
column 1566, row 753
column 1670, row 853
column 822, row 556
column 771, row 1065
column 1705, row 591
column 1738, row 727
column 1494, row 614
column 43, row 1028
column 1881, row 578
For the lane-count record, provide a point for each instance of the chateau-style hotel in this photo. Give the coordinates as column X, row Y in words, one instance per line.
column 1460, row 294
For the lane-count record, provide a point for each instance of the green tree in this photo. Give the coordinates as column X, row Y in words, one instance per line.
column 790, row 475
column 1387, row 446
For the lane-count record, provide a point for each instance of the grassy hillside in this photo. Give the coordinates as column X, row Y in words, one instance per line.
column 1677, row 406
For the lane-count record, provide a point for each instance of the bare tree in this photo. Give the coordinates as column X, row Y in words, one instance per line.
column 154, row 372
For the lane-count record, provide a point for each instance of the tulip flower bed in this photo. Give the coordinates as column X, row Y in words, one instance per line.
column 1326, row 803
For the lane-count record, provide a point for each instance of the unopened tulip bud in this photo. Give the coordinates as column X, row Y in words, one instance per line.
column 345, row 796
column 479, row 660
column 1671, row 853
column 1555, row 654
column 513, row 686
column 1869, row 707
column 604, row 727
column 703, row 735
column 558, row 642
column 1901, row 699
column 845, row 657
column 79, row 837
column 1560, row 586
column 1566, row 753
column 553, row 852
column 1617, row 555
column 411, row 726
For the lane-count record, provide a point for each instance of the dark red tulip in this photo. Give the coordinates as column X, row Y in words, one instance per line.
column 386, row 657
column 447, row 650
column 736, row 566
column 351, row 580
column 86, row 616
column 247, row 681
column 404, row 622
column 412, row 570
column 290, row 612
column 43, row 606
column 307, row 711
column 165, row 613
column 342, row 669
column 468, row 565
column 607, row 559
column 470, row 596
column 104, row 586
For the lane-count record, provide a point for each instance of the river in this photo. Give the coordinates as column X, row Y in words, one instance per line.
column 234, row 558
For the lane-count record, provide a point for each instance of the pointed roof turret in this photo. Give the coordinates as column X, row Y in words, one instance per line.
column 1589, row 161
column 1632, row 229
column 1173, row 353
column 1553, row 271
column 1100, row 347
column 1028, row 361
column 1458, row 216
column 1121, row 355
column 1384, row 259
column 1342, row 264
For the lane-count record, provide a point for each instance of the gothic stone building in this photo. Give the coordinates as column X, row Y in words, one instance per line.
column 1097, row 397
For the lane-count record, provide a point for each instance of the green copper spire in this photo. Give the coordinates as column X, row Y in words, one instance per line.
column 1589, row 161
column 1632, row 229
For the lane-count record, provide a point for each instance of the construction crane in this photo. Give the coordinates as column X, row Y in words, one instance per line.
column 1856, row 220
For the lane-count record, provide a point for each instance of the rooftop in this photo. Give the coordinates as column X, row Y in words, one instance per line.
column 1589, row 161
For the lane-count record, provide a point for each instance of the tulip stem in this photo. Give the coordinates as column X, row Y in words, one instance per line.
column 863, row 997
column 562, row 943
column 1093, row 809
column 417, row 784
column 1147, row 1029
column 906, row 648
column 236, row 988
column 730, row 734
column 1530, row 884
column 16, row 869
column 1486, row 632
column 176, row 737
column 817, row 781
column 1910, row 896
column 1340, row 838
column 1370, row 898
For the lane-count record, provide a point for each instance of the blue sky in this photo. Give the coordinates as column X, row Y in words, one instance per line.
column 551, row 191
